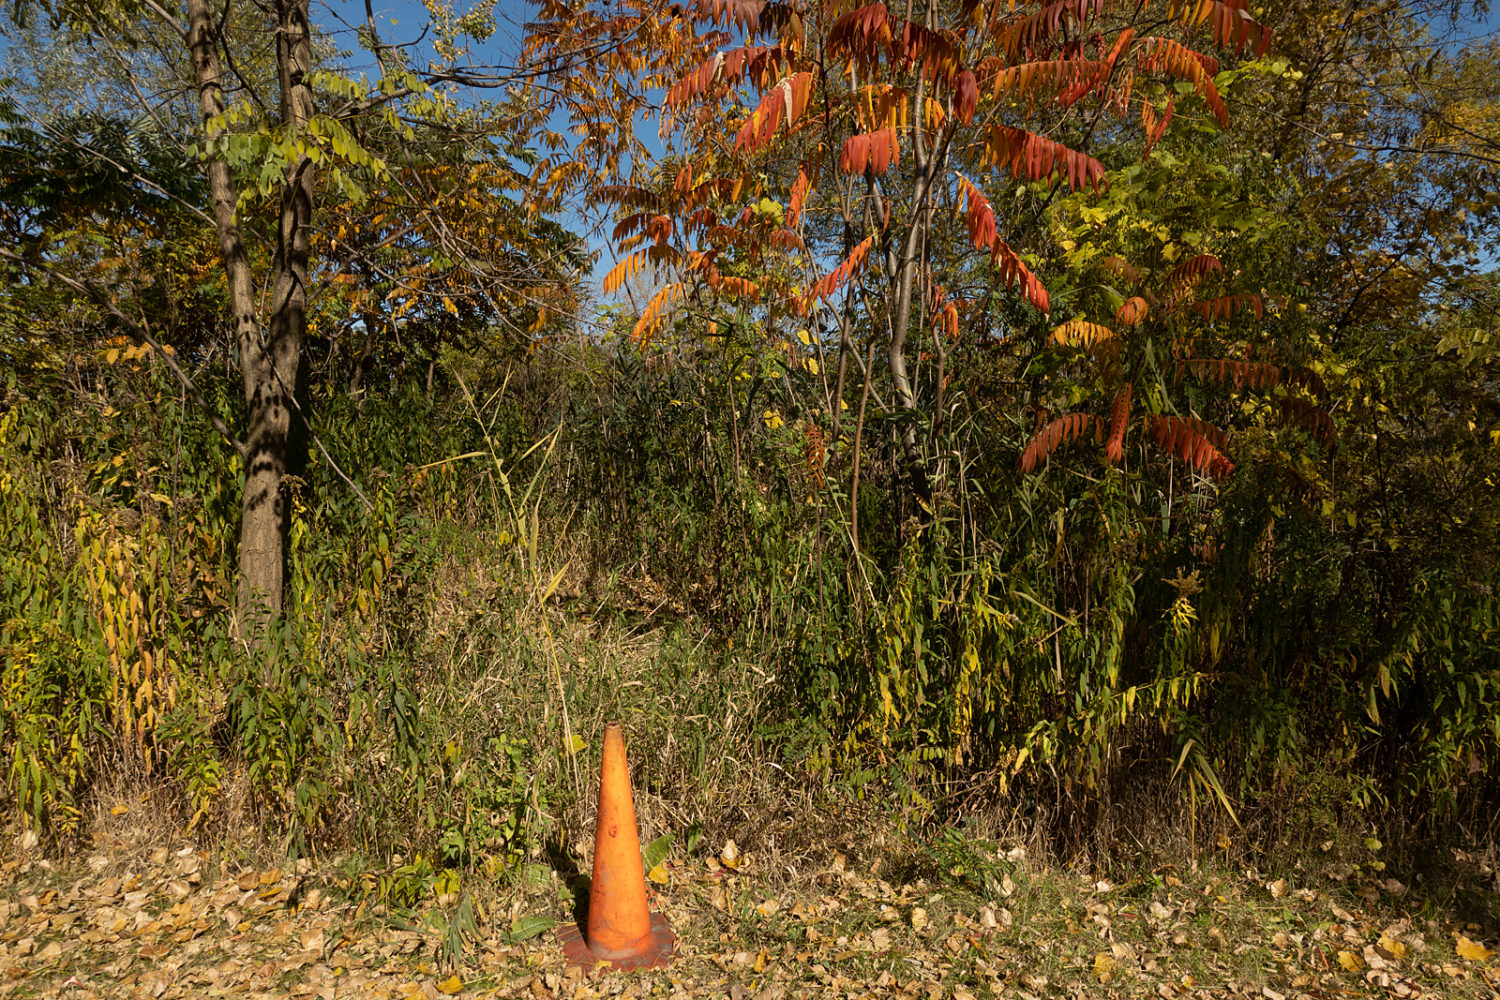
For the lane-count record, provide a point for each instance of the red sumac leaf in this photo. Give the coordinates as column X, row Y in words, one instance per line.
column 1053, row 436
column 1183, row 439
column 1225, row 306
column 965, row 96
column 1132, row 311
column 1026, row 154
column 1311, row 418
column 1114, row 448
column 876, row 152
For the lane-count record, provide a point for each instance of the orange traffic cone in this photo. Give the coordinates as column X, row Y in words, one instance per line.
column 621, row 929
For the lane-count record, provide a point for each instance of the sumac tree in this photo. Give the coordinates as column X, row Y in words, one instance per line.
column 890, row 143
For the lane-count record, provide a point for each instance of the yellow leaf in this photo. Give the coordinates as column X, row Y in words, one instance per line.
column 448, row 305
column 812, row 366
column 1349, row 960
column 1104, row 966
column 575, row 743
column 1392, row 947
column 119, row 810
column 805, row 337
column 451, row 985
column 659, row 874
column 1472, row 950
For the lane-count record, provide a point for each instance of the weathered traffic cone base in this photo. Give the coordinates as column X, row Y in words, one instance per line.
column 655, row 953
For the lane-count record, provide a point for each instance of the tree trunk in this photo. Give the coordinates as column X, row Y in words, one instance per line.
column 903, row 274
column 260, row 553
column 268, row 355
column 270, row 366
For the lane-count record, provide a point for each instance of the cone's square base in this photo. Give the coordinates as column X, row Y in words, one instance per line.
column 654, row 953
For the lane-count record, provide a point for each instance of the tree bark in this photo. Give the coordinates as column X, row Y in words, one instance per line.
column 270, row 366
column 269, row 354
column 260, row 551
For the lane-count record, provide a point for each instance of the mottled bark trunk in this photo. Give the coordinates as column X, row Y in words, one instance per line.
column 270, row 367
column 268, row 354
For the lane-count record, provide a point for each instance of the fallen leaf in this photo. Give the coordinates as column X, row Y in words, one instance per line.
column 1391, row 948
column 1104, row 966
column 1277, row 889
column 659, row 874
column 1349, row 960
column 918, row 918
column 451, row 985
column 1472, row 950
column 729, row 855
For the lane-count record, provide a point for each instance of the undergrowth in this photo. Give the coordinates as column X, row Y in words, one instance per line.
column 1089, row 661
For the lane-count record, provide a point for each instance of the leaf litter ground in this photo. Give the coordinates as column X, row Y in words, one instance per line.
column 163, row 923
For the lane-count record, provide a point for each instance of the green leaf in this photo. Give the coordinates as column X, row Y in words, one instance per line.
column 656, row 852
column 527, row 928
